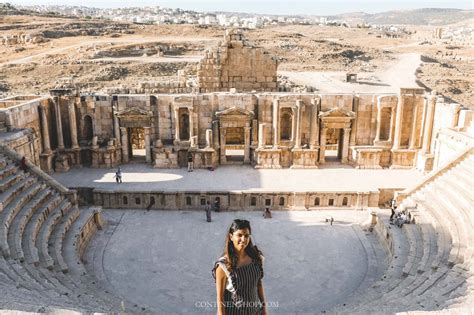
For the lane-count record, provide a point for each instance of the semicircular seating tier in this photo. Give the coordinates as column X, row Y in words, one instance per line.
column 43, row 235
column 431, row 260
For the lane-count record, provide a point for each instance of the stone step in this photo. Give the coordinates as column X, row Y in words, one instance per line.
column 57, row 237
column 34, row 226
column 8, row 171
column 393, row 291
column 10, row 180
column 42, row 241
column 11, row 284
column 78, row 273
column 455, row 228
column 392, row 277
column 10, row 212
column 460, row 203
column 424, row 268
column 18, row 274
column 444, row 236
column 21, row 220
column 3, row 162
column 10, row 194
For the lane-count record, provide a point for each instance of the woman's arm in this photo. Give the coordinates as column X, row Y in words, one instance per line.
column 221, row 279
column 261, row 296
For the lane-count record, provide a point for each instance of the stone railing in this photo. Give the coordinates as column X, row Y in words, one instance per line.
column 400, row 196
column 71, row 195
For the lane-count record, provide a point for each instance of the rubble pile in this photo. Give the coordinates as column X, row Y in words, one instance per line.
column 112, row 73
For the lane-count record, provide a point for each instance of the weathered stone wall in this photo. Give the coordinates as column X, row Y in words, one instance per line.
column 365, row 116
column 237, row 64
column 24, row 142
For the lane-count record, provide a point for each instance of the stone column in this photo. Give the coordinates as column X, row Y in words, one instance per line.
column 215, row 134
column 345, row 145
column 299, row 107
column 254, row 132
column 176, row 125
column 413, row 127
column 392, row 124
column 73, row 124
column 322, row 150
column 59, row 127
column 427, row 133
column 247, row 145
column 379, row 120
column 454, row 110
column 208, row 138
column 276, row 123
column 314, row 126
column 191, row 123
column 124, row 133
column 45, row 130
column 398, row 123
column 116, row 123
column 261, row 136
column 223, row 134
column 293, row 124
column 147, row 144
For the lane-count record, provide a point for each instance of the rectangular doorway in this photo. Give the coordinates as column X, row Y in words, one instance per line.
column 137, row 144
column 334, row 141
column 234, row 144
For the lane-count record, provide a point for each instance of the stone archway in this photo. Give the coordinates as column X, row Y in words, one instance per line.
column 236, row 122
column 340, row 120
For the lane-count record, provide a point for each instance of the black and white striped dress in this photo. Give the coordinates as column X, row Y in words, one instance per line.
column 246, row 279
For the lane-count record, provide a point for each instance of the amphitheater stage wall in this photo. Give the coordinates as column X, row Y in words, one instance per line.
column 234, row 201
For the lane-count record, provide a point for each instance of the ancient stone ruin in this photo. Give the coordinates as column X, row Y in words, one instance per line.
column 235, row 117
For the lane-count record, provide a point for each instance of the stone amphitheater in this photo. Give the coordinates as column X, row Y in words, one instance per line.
column 74, row 241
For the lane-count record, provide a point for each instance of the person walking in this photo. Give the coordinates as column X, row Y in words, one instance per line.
column 118, row 176
column 208, row 211
column 239, row 273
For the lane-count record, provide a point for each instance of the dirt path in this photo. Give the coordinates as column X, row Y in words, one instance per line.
column 401, row 74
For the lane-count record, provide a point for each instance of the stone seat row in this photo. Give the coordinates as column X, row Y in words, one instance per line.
column 40, row 234
column 432, row 260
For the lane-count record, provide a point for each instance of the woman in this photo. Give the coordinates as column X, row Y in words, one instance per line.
column 239, row 274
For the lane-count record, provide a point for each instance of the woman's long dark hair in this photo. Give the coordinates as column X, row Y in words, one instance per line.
column 229, row 250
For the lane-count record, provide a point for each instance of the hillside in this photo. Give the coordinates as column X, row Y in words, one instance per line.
column 426, row 16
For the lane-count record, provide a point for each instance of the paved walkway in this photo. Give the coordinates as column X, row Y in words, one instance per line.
column 163, row 260
column 142, row 177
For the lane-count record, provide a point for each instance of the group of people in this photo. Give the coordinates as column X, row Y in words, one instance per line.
column 398, row 217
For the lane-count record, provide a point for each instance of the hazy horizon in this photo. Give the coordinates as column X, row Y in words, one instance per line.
column 301, row 7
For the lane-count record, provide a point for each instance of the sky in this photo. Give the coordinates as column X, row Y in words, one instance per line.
column 308, row 7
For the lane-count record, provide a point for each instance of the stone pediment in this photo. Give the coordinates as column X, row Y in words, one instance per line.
column 337, row 113
column 134, row 112
column 235, row 111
